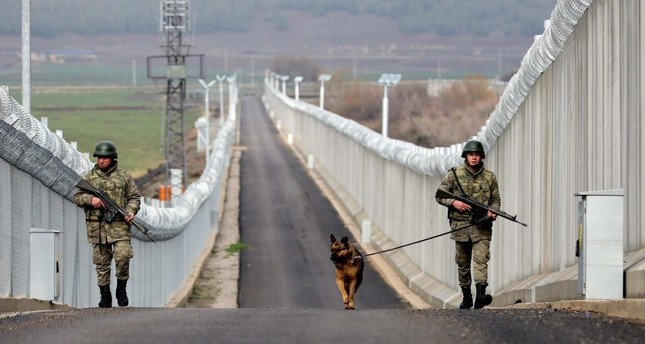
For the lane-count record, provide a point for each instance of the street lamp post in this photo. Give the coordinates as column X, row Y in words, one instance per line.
column 220, row 80
column 276, row 81
column 386, row 80
column 297, row 81
column 284, row 79
column 323, row 78
column 232, row 94
column 207, row 89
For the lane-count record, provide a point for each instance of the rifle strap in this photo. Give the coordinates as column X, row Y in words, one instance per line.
column 454, row 173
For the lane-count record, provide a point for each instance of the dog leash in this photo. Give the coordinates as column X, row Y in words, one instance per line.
column 430, row 238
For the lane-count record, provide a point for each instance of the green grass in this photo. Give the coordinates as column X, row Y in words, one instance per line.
column 132, row 118
column 92, row 73
column 236, row 247
column 87, row 73
column 95, row 97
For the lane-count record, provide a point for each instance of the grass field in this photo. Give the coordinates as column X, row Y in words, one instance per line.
column 77, row 73
column 132, row 118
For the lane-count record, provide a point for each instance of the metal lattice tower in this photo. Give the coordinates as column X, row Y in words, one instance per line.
column 174, row 21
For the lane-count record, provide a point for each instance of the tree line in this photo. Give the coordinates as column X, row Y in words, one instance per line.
column 119, row 17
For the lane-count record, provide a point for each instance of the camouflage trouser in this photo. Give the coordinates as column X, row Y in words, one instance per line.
column 479, row 252
column 102, row 257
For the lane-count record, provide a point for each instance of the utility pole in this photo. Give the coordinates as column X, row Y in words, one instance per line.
column 26, row 55
column 174, row 21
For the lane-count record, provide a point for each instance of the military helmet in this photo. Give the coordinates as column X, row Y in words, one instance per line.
column 473, row 146
column 105, row 148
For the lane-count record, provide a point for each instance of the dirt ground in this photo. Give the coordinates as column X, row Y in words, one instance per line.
column 217, row 286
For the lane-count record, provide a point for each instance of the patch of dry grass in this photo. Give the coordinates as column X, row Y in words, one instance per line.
column 456, row 114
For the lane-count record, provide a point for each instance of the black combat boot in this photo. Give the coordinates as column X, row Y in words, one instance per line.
column 482, row 299
column 121, row 294
column 468, row 298
column 106, row 296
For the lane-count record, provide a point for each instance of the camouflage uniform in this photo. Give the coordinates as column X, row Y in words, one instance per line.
column 472, row 242
column 110, row 239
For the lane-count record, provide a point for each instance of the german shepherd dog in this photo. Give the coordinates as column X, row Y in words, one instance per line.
column 349, row 268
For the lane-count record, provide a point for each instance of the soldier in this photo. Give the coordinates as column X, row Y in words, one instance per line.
column 110, row 239
column 473, row 242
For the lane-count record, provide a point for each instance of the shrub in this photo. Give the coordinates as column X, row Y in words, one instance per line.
column 296, row 66
column 456, row 114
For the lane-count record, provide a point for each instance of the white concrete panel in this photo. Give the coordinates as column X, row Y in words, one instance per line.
column 42, row 274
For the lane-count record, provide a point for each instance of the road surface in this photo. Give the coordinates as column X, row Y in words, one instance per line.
column 286, row 221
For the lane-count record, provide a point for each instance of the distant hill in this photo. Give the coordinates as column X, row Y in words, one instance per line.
column 419, row 38
column 489, row 18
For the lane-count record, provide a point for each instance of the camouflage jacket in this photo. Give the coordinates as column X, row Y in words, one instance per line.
column 120, row 187
column 480, row 186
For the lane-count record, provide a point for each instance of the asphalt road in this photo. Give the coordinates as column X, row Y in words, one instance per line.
column 287, row 292
column 286, row 221
column 202, row 325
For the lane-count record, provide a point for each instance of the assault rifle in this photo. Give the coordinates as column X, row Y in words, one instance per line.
column 112, row 207
column 445, row 194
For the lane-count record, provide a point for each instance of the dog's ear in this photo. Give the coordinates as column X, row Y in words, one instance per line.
column 345, row 240
column 333, row 238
